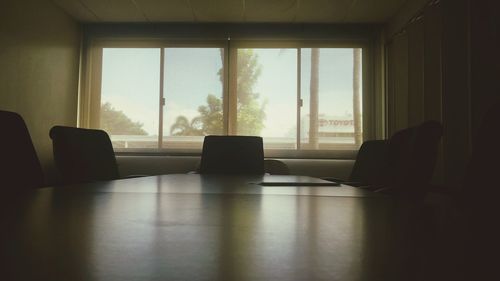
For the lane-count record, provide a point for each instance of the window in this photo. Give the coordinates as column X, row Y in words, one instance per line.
column 129, row 95
column 193, row 95
column 302, row 98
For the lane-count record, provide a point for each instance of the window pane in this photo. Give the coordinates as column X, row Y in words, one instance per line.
column 331, row 94
column 129, row 96
column 263, row 97
column 193, row 94
column 267, row 96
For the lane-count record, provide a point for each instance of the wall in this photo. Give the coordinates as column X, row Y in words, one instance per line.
column 414, row 66
column 456, row 88
column 39, row 69
column 485, row 58
column 414, row 69
column 444, row 64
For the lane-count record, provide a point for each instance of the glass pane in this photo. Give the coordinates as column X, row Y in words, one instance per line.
column 267, row 96
column 129, row 96
column 331, row 91
column 193, row 93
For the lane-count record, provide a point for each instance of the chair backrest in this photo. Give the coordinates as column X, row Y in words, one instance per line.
column 425, row 147
column 412, row 155
column 20, row 167
column 399, row 156
column 232, row 155
column 83, row 155
column 370, row 164
column 275, row 167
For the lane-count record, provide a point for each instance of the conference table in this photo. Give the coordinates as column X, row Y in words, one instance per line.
column 203, row 227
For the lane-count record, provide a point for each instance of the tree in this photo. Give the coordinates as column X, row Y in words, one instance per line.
column 183, row 127
column 211, row 116
column 251, row 113
column 313, row 107
column 209, row 122
column 115, row 122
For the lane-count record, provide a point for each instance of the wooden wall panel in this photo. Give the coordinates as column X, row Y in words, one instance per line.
column 456, row 89
column 433, row 91
column 416, row 54
column 432, row 64
column 398, row 83
column 415, row 80
column 485, row 58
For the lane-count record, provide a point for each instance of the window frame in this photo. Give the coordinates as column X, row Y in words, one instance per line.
column 90, row 88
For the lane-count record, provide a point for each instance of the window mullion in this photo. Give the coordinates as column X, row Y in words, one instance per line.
column 299, row 96
column 162, row 98
column 232, row 100
column 226, row 89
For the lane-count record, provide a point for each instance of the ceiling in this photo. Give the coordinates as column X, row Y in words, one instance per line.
column 282, row 11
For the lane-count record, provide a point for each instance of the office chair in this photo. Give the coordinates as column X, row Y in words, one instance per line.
column 83, row 155
column 411, row 158
column 275, row 167
column 425, row 149
column 20, row 166
column 232, row 155
column 465, row 218
column 369, row 166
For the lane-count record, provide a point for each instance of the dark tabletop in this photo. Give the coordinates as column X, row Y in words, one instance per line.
column 193, row 227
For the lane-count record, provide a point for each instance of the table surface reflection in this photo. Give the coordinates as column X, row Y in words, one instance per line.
column 194, row 227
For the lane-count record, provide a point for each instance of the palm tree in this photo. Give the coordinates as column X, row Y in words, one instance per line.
column 313, row 105
column 250, row 111
column 182, row 127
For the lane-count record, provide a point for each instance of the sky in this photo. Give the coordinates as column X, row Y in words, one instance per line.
column 131, row 83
